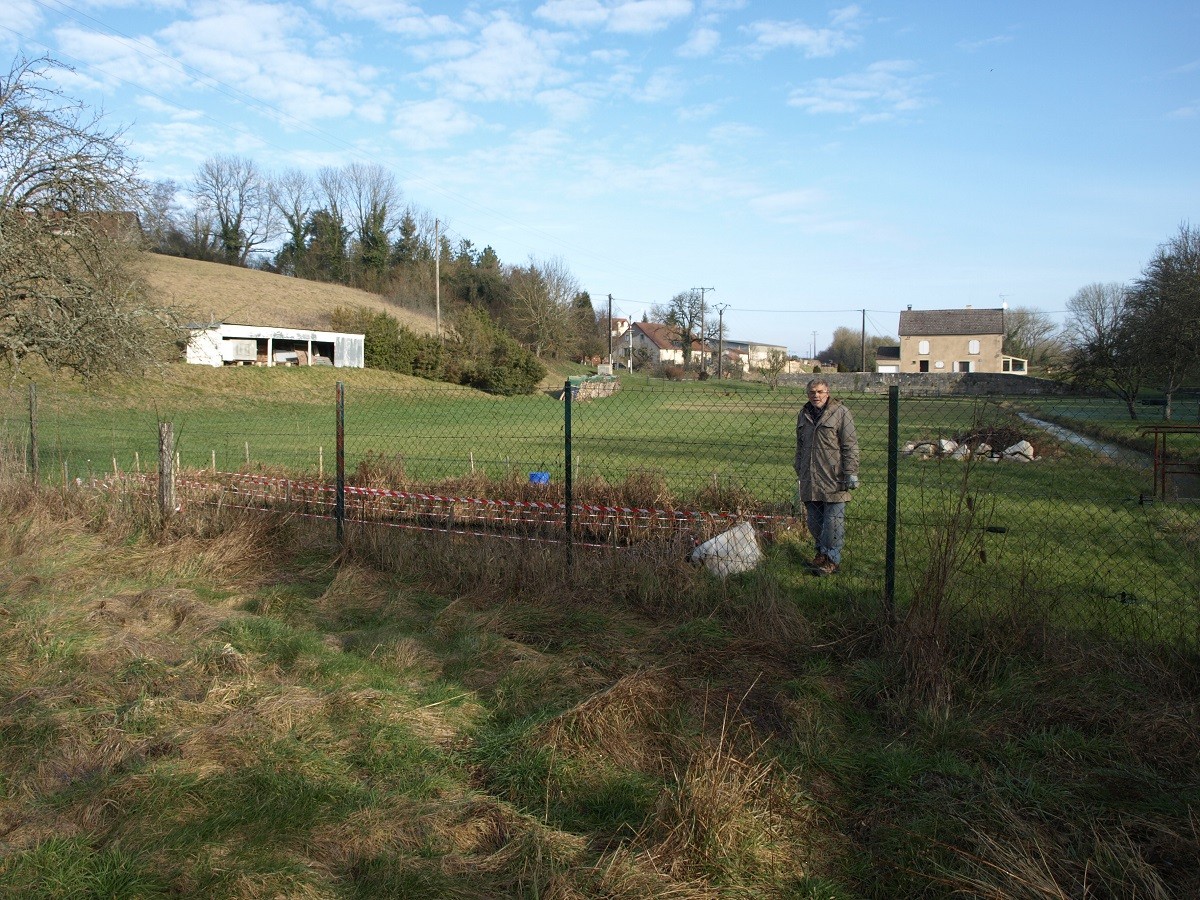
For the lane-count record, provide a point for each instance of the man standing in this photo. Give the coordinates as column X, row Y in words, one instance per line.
column 827, row 470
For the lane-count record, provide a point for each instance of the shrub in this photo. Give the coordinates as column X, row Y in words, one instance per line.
column 484, row 357
column 391, row 346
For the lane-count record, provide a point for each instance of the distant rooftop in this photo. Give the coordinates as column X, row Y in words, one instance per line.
column 923, row 322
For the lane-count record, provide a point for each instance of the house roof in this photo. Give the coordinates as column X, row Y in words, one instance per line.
column 665, row 337
column 923, row 322
column 892, row 352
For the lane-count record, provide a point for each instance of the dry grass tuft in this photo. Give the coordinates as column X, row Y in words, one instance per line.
column 626, row 723
column 1019, row 859
column 724, row 817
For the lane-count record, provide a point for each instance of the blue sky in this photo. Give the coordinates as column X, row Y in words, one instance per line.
column 806, row 161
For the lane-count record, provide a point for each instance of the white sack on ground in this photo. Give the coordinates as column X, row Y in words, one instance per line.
column 730, row 552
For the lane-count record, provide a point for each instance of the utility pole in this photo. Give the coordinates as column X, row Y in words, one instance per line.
column 702, row 290
column 721, row 307
column 610, row 362
column 863, row 365
column 814, row 347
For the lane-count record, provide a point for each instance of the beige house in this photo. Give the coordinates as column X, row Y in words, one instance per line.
column 658, row 343
column 954, row 340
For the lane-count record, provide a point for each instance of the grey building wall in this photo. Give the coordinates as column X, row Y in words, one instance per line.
column 932, row 384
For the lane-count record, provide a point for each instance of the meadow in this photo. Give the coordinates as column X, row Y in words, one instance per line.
column 1073, row 531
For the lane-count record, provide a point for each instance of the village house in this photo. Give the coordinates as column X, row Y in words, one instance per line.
column 950, row 340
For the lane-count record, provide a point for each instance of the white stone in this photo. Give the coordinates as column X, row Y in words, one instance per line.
column 962, row 451
column 1022, row 449
column 730, row 552
column 945, row 445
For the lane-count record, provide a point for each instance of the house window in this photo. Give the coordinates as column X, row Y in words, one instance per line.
column 973, row 347
column 964, row 366
column 923, row 347
column 939, row 365
column 924, row 365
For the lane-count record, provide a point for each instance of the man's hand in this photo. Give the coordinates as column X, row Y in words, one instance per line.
column 851, row 482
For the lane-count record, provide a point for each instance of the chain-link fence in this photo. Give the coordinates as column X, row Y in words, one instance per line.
column 1056, row 503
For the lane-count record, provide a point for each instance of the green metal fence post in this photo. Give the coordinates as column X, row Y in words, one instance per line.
column 340, row 503
column 33, row 434
column 568, row 481
column 889, row 589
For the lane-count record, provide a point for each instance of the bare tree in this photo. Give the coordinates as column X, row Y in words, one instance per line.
column 773, row 367
column 292, row 194
column 69, row 292
column 1164, row 309
column 239, row 198
column 684, row 311
column 1103, row 349
column 1032, row 335
column 542, row 314
column 373, row 197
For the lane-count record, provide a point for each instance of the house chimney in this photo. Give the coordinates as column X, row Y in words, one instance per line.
column 910, row 307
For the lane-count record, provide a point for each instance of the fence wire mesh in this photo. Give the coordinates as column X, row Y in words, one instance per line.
column 1058, row 502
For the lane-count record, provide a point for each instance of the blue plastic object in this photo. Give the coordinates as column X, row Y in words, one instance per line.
column 539, row 477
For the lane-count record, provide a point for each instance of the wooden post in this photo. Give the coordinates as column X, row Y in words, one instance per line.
column 214, row 461
column 166, row 469
column 33, row 434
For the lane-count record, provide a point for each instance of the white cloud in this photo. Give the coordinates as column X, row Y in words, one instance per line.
column 108, row 59
column 432, row 124
column 663, row 85
column 882, row 91
column 735, row 133
column 574, row 13
column 701, row 42
column 18, row 15
column 620, row 16
column 646, row 16
column 975, row 46
column 813, row 42
column 507, row 62
column 698, row 113
column 841, row 34
column 1185, row 112
column 395, row 16
column 247, row 50
column 805, row 207
column 564, row 104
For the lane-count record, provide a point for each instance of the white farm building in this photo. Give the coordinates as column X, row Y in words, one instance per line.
column 227, row 344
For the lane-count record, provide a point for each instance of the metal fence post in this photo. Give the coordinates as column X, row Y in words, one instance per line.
column 166, row 470
column 33, row 434
column 889, row 588
column 340, row 502
column 568, row 481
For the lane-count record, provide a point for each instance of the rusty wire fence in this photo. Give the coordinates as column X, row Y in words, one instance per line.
column 1058, row 504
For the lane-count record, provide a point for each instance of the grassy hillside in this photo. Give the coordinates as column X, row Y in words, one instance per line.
column 206, row 291
column 233, row 707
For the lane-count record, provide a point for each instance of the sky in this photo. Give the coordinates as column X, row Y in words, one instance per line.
column 809, row 165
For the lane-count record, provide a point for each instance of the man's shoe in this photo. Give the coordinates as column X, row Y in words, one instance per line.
column 825, row 566
column 819, row 560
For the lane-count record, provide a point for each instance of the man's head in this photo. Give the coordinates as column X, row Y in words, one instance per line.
column 818, row 392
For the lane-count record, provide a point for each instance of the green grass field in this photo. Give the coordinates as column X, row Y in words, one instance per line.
column 1072, row 530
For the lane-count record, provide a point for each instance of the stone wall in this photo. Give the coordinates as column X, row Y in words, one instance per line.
column 932, row 384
